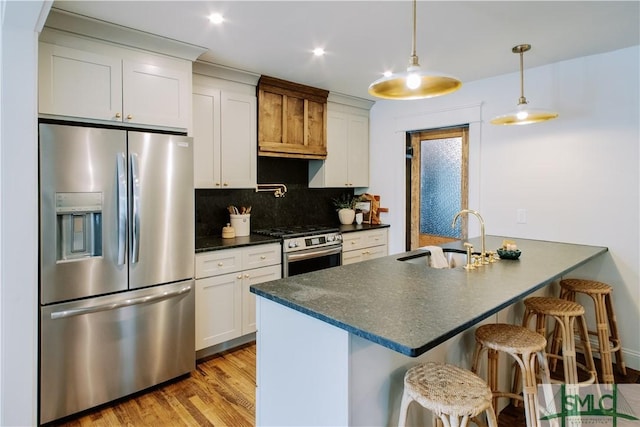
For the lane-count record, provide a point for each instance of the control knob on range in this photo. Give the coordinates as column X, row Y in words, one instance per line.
column 293, row 244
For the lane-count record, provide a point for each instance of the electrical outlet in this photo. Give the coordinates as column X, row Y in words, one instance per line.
column 521, row 216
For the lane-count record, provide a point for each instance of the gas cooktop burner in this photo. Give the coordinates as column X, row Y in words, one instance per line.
column 297, row 231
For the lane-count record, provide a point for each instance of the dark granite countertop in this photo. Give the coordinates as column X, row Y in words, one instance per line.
column 361, row 227
column 216, row 243
column 411, row 308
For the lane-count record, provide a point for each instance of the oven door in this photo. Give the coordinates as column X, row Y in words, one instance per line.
column 311, row 260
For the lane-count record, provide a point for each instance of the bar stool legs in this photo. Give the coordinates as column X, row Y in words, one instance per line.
column 454, row 395
column 525, row 347
column 607, row 325
column 566, row 313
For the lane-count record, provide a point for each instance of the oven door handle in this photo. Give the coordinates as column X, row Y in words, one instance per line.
column 300, row 256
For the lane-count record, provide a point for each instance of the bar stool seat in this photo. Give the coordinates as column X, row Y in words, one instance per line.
column 565, row 313
column 606, row 323
column 525, row 347
column 453, row 394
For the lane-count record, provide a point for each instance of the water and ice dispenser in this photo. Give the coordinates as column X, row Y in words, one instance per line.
column 79, row 217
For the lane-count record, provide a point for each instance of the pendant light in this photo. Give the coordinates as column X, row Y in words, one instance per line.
column 523, row 115
column 414, row 83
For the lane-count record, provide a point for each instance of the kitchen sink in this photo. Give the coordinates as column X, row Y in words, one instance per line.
column 454, row 257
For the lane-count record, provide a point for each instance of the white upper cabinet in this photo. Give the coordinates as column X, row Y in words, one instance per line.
column 147, row 90
column 155, row 94
column 225, row 135
column 347, row 162
column 79, row 84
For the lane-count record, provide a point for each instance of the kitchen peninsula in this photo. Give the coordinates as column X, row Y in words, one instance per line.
column 333, row 345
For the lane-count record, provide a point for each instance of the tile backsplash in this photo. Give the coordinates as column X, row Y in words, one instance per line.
column 300, row 206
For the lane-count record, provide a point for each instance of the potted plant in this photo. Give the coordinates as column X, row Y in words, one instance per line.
column 345, row 205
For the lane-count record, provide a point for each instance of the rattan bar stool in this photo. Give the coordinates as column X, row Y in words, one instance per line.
column 565, row 313
column 525, row 347
column 606, row 324
column 453, row 394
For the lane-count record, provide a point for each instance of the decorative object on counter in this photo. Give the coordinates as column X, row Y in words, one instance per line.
column 509, row 250
column 345, row 205
column 228, row 232
column 359, row 218
column 375, row 210
column 414, row 83
column 363, row 208
column 506, row 254
column 523, row 115
column 279, row 190
column 241, row 223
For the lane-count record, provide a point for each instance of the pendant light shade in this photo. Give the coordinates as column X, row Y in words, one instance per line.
column 414, row 83
column 523, row 114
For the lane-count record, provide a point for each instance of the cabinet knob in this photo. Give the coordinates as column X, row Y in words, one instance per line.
column 118, row 115
column 129, row 117
column 263, row 257
column 220, row 264
column 239, row 276
column 353, row 242
column 226, row 184
column 217, row 184
column 247, row 276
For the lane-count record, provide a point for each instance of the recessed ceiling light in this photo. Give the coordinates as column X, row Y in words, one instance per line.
column 318, row 51
column 216, row 18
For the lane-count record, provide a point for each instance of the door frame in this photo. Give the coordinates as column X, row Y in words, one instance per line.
column 414, row 239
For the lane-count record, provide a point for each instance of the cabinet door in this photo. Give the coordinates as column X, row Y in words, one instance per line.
column 253, row 277
column 155, row 95
column 238, row 140
column 218, row 309
column 336, row 163
column 76, row 83
column 206, row 138
column 358, row 151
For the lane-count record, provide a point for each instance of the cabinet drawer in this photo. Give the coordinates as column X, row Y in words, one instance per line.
column 261, row 256
column 364, row 239
column 218, row 262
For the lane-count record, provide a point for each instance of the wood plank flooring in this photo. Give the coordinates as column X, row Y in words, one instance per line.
column 220, row 392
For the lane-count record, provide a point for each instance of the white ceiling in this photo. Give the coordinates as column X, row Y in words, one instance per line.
column 471, row 40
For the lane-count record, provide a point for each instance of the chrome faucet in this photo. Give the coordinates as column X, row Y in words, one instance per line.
column 483, row 254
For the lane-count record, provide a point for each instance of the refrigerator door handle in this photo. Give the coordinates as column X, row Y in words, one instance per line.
column 135, row 226
column 122, row 207
column 120, row 304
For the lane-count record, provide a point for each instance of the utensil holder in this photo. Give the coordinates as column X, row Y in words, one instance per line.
column 241, row 223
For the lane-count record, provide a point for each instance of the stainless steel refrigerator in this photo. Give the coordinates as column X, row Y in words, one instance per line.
column 116, row 264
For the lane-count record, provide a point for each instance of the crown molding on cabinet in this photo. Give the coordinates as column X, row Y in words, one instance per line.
column 106, row 31
column 349, row 100
column 226, row 73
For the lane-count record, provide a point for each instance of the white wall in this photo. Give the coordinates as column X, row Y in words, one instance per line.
column 576, row 176
column 19, row 211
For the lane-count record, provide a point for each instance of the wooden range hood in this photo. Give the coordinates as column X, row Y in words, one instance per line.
column 292, row 119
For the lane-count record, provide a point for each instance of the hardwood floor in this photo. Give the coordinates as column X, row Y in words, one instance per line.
column 220, row 392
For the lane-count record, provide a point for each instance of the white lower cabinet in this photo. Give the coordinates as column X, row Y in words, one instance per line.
column 225, row 307
column 364, row 245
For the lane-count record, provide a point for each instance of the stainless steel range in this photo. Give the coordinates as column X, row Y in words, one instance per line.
column 307, row 248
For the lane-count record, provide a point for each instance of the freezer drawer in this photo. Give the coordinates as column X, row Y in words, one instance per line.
column 97, row 350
